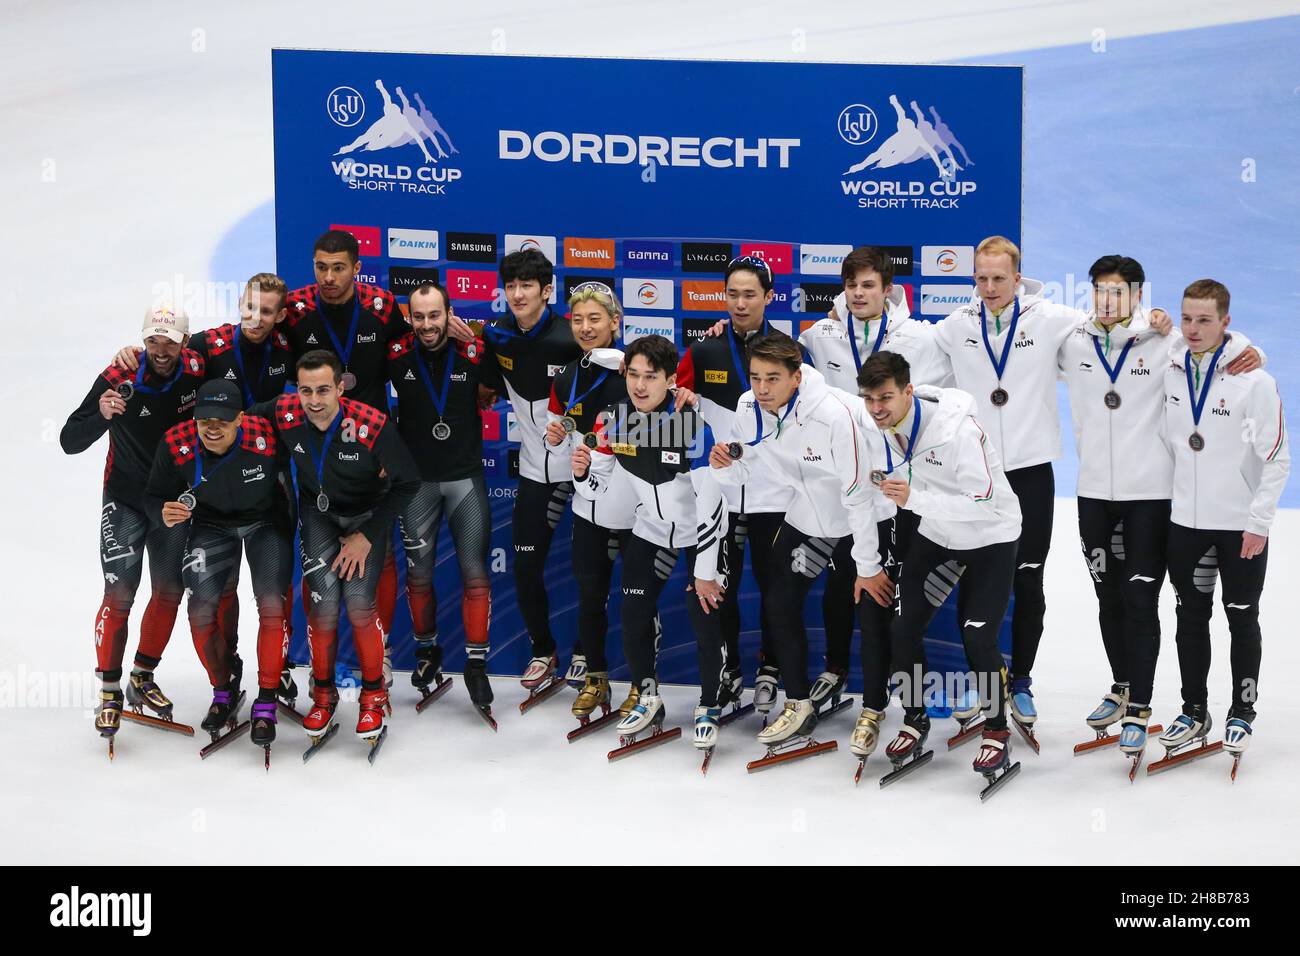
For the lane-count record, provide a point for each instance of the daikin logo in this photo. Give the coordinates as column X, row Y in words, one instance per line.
column 129, row 910
column 413, row 244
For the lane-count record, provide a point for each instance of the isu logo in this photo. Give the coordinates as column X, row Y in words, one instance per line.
column 345, row 106
column 857, row 124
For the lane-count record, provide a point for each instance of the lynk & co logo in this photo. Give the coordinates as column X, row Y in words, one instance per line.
column 919, row 137
column 413, row 142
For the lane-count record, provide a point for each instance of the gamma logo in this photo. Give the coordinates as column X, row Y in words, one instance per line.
column 920, row 136
column 405, row 131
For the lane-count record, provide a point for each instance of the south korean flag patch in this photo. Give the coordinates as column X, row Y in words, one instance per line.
column 670, row 457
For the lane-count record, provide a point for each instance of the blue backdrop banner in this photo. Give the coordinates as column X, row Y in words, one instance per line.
column 649, row 175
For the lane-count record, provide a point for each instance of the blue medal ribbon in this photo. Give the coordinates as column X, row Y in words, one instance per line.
column 735, row 352
column 344, row 354
column 1113, row 373
column 1198, row 400
column 325, row 446
column 573, row 389
column 911, row 442
column 1000, row 364
column 249, row 398
column 758, row 418
column 154, row 389
column 439, row 400
column 853, row 339
column 198, row 458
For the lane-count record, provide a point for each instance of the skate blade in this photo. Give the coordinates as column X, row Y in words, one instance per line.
column 486, row 714
column 998, row 781
column 1026, row 731
column 110, row 749
column 660, row 736
column 972, row 730
column 735, row 714
column 1236, row 762
column 862, row 765
column 591, row 726
column 542, row 692
column 218, row 742
column 1187, row 756
column 901, row 770
column 296, row 716
column 1107, row 739
column 318, row 742
column 375, row 743
column 708, row 759
column 777, row 757
column 267, row 748
column 428, row 697
column 844, row 703
column 1137, row 762
column 158, row 723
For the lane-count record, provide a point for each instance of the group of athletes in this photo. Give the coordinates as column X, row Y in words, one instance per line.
column 895, row 458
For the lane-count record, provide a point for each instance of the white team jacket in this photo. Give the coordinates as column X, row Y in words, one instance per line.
column 820, row 450
column 1027, row 430
column 1117, row 459
column 676, row 507
column 959, row 489
column 616, row 508
column 1234, row 482
column 827, row 343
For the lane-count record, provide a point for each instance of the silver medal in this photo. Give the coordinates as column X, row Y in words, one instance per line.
column 735, row 450
column 322, row 502
column 1112, row 400
column 569, row 425
column 878, row 475
column 188, row 500
column 126, row 390
column 442, row 431
column 1197, row 441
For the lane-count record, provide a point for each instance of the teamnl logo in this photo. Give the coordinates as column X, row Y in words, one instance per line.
column 416, row 149
column 75, row 909
column 918, row 136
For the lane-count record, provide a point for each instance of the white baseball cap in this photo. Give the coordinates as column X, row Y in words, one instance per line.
column 168, row 321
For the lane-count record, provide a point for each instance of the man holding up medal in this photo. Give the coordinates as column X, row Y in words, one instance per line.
column 136, row 410
column 437, row 390
column 220, row 470
column 355, row 476
column 1231, row 461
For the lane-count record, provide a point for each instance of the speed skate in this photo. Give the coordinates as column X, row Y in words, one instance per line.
column 789, row 737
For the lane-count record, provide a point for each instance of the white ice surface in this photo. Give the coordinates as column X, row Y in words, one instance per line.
column 152, row 152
